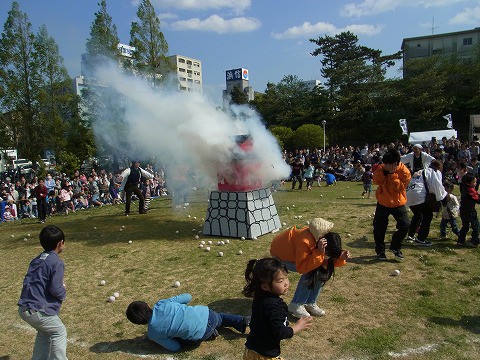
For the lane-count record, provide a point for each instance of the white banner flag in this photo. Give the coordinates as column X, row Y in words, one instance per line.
column 448, row 117
column 403, row 125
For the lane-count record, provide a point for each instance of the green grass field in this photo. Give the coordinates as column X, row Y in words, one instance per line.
column 430, row 311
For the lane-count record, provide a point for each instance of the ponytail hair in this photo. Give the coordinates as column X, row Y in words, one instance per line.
column 261, row 271
column 333, row 250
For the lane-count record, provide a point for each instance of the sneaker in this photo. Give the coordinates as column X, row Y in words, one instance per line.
column 314, row 310
column 298, row 310
column 411, row 239
column 246, row 322
column 422, row 242
column 382, row 257
column 398, row 255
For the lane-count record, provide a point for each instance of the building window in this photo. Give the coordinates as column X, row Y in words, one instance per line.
column 180, row 60
column 467, row 41
column 419, row 45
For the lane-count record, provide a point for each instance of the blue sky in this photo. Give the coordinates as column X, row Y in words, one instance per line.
column 270, row 38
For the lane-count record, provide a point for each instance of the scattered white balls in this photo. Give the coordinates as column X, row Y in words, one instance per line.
column 111, row 299
column 123, row 227
column 284, row 224
column 95, row 228
column 343, row 197
column 254, row 238
column 295, row 217
column 227, row 241
column 197, row 237
column 130, row 241
column 202, row 242
column 293, row 205
column 25, row 239
column 176, row 284
column 29, row 235
column 13, row 235
column 220, row 253
column 200, row 246
column 209, row 242
column 321, row 195
column 189, row 216
column 102, row 282
column 176, row 232
column 240, row 252
column 349, row 235
column 193, row 230
column 300, row 216
column 242, row 238
column 195, row 217
column 116, row 294
column 395, row 272
column 207, row 248
column 288, row 208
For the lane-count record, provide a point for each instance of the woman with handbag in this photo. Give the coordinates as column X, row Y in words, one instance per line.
column 424, row 194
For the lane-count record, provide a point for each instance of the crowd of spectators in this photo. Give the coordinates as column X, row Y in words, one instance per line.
column 348, row 163
column 69, row 194
column 91, row 189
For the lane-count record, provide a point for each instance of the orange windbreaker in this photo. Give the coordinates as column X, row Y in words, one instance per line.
column 298, row 245
column 391, row 190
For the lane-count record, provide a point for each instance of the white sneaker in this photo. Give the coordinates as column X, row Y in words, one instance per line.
column 314, row 310
column 298, row 310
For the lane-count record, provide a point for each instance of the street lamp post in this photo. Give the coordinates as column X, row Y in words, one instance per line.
column 324, row 122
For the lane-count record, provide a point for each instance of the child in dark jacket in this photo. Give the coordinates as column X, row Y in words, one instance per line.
column 266, row 282
column 468, row 213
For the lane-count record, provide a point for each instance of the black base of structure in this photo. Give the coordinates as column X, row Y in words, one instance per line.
column 247, row 214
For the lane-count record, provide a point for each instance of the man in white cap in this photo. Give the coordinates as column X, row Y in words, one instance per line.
column 417, row 159
column 303, row 249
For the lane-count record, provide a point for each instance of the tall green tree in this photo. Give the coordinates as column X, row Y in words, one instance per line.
column 353, row 75
column 101, row 106
column 102, row 45
column 19, row 85
column 55, row 90
column 150, row 56
column 290, row 103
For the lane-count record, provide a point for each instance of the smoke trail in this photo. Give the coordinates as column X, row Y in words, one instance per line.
column 185, row 128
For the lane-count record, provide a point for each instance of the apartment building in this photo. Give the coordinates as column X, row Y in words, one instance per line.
column 189, row 73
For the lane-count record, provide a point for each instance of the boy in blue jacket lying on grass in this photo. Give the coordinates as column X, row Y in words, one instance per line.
column 172, row 320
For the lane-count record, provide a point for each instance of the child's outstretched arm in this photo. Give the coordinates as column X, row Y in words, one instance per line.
column 302, row 324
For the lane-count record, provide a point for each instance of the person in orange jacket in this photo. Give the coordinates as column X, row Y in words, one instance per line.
column 313, row 251
column 392, row 178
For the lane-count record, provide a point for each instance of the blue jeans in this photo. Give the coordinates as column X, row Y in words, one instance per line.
column 216, row 320
column 304, row 295
column 51, row 340
column 453, row 224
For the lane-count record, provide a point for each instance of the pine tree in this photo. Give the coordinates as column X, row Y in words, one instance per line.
column 150, row 55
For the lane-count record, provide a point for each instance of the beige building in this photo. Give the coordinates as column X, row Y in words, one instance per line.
column 189, row 73
column 461, row 43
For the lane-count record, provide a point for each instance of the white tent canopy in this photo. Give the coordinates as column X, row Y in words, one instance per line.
column 426, row 136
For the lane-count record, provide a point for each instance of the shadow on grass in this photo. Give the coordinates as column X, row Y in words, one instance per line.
column 240, row 306
column 468, row 322
column 6, row 357
column 139, row 346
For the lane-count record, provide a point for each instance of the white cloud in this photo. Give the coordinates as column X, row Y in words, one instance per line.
column 239, row 6
column 467, row 16
column 373, row 7
column 307, row 29
column 217, row 24
column 167, row 16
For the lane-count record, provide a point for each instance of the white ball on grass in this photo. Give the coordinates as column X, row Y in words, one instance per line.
column 195, row 217
column 121, row 229
column 193, row 230
column 207, row 248
column 102, row 282
column 254, row 238
column 111, row 299
column 176, row 284
column 116, row 294
column 288, row 208
column 13, row 235
column 29, row 235
column 209, row 242
column 240, row 252
column 220, row 253
column 293, row 205
column 349, row 235
column 95, row 227
column 189, row 216
column 284, row 224
column 295, row 217
column 123, row 226
column 200, row 246
column 242, row 238
column 197, row 237
column 395, row 272
column 227, row 241
column 300, row 216
column 202, row 242
column 25, row 239
column 130, row 241
column 176, row 232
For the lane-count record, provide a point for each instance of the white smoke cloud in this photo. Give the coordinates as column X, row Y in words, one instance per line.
column 186, row 128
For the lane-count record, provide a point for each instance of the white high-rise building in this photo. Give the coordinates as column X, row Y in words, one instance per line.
column 189, row 73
